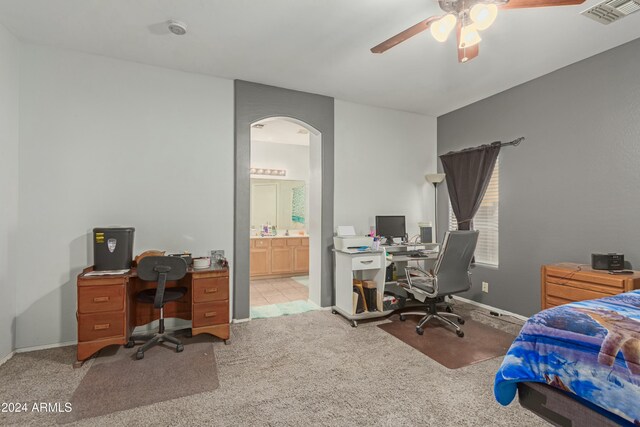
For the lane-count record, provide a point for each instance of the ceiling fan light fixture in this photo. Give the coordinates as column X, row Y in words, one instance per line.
column 441, row 29
column 483, row 15
column 469, row 36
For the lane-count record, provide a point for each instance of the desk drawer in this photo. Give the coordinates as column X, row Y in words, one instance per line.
column 100, row 325
column 97, row 299
column 210, row 313
column 365, row 262
column 211, row 289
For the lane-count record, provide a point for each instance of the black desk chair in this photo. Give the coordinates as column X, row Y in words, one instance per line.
column 159, row 269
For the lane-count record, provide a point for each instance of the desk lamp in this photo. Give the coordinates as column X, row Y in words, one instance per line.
column 435, row 179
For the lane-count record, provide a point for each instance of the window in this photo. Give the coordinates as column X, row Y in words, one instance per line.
column 485, row 221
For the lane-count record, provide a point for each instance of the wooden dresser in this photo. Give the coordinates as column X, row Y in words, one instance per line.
column 567, row 282
column 108, row 310
column 279, row 256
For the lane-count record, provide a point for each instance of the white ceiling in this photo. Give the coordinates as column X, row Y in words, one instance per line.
column 280, row 131
column 322, row 46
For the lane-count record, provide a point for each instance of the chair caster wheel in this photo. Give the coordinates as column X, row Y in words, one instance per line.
column 139, row 355
column 179, row 348
column 460, row 334
column 354, row 324
column 334, row 312
column 419, row 331
column 402, row 318
column 448, row 309
column 461, row 320
column 129, row 344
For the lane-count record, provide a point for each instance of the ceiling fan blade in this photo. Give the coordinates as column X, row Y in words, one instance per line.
column 405, row 35
column 465, row 54
column 522, row 4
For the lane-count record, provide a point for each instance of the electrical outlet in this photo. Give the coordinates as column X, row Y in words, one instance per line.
column 485, row 287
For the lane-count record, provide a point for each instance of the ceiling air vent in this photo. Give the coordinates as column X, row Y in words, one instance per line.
column 612, row 10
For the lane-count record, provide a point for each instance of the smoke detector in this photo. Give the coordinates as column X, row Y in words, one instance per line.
column 612, row 10
column 176, row 27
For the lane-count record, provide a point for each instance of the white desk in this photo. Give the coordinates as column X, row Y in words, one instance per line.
column 369, row 266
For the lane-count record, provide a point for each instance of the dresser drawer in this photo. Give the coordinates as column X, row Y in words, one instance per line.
column 210, row 313
column 365, row 262
column 569, row 293
column 211, row 289
column 97, row 299
column 100, row 325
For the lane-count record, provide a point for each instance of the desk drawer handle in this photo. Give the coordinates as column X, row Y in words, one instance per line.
column 101, row 299
column 211, row 291
column 101, row 327
column 366, row 262
column 210, row 314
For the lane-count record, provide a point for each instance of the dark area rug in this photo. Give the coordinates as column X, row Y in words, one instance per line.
column 117, row 381
column 440, row 343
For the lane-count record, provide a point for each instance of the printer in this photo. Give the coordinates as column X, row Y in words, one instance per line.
column 347, row 241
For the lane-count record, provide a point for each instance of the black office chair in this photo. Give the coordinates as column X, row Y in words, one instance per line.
column 159, row 269
column 450, row 276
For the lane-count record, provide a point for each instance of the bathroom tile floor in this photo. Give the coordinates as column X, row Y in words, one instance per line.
column 276, row 291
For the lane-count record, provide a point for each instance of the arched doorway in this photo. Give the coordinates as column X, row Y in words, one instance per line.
column 285, row 168
column 254, row 103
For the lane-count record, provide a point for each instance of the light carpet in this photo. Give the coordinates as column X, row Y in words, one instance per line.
column 308, row 369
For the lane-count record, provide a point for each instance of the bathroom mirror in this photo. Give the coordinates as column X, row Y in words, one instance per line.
column 279, row 202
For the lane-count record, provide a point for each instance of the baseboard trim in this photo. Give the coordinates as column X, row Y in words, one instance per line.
column 6, row 358
column 241, row 320
column 490, row 308
column 45, row 347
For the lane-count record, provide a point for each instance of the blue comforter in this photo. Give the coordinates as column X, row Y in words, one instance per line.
column 589, row 348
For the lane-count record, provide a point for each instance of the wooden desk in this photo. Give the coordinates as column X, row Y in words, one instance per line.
column 108, row 310
column 567, row 282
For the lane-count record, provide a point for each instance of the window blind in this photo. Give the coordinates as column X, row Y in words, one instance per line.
column 485, row 221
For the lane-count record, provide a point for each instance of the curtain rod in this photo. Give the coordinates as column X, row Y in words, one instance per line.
column 515, row 142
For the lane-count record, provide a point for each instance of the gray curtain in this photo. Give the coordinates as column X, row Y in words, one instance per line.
column 468, row 173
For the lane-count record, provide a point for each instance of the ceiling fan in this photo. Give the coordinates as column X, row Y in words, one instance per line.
column 467, row 17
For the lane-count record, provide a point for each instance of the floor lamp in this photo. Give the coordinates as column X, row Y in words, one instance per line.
column 435, row 179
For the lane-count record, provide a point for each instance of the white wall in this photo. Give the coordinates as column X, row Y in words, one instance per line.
column 108, row 142
column 9, row 101
column 381, row 157
column 272, row 155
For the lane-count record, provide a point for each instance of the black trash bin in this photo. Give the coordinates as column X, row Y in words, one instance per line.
column 112, row 248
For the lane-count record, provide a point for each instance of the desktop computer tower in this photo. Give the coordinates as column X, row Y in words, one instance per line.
column 112, row 248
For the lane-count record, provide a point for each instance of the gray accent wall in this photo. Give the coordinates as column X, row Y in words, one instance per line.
column 254, row 102
column 571, row 188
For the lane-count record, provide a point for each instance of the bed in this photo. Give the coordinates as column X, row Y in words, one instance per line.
column 578, row 361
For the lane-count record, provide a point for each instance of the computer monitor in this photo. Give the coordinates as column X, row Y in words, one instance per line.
column 391, row 226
